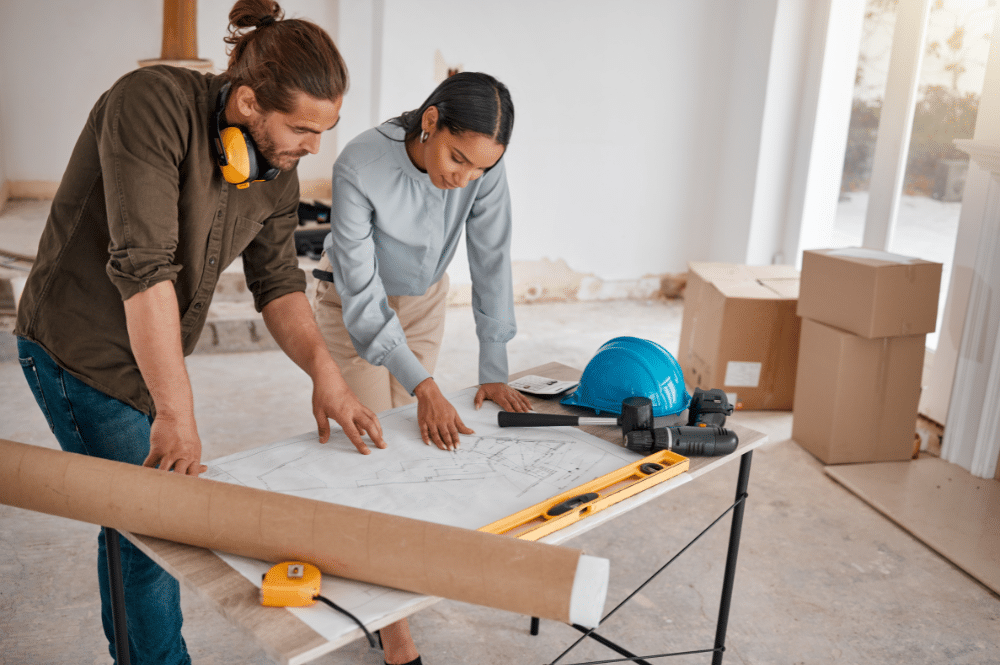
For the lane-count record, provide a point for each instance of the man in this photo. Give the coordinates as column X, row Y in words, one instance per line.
column 153, row 206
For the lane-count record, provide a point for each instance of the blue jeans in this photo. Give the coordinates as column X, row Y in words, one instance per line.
column 87, row 421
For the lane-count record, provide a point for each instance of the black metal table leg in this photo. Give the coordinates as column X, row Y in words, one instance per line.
column 117, row 589
column 611, row 645
column 729, row 577
column 742, row 481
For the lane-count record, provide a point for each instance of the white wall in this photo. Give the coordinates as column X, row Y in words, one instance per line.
column 615, row 110
column 739, row 170
column 648, row 133
column 359, row 39
column 58, row 56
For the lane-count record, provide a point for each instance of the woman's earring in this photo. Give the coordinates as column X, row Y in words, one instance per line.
column 423, row 137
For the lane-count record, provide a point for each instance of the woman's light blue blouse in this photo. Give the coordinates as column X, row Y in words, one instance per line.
column 392, row 232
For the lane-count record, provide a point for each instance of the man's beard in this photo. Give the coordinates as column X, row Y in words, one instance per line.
column 283, row 161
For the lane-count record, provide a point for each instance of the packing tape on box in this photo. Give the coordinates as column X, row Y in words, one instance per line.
column 504, row 573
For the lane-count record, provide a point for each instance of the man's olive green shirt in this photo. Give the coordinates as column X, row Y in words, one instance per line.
column 143, row 201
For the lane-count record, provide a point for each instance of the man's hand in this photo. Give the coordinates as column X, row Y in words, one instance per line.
column 506, row 397
column 154, row 331
column 290, row 320
column 333, row 399
column 174, row 445
column 438, row 420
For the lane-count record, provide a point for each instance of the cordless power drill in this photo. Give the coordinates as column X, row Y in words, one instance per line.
column 703, row 435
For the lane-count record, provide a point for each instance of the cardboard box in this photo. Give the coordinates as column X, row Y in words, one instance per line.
column 856, row 398
column 740, row 332
column 868, row 292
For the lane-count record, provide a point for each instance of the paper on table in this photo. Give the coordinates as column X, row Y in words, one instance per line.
column 418, row 556
column 541, row 385
column 495, row 473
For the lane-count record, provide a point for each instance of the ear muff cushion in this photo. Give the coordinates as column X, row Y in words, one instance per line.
column 242, row 166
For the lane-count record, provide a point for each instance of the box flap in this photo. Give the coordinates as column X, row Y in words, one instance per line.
column 783, row 288
column 745, row 289
column 712, row 272
column 765, row 289
column 741, row 281
column 775, row 272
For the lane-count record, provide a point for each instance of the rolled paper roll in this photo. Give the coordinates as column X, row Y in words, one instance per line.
column 531, row 578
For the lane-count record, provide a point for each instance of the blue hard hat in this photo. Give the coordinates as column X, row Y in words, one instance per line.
column 630, row 367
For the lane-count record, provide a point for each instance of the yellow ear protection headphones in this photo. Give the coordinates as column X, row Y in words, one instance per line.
column 235, row 150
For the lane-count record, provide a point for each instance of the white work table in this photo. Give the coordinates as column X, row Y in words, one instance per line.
column 288, row 639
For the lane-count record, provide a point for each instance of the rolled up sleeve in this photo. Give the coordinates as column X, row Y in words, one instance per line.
column 488, row 236
column 143, row 138
column 270, row 263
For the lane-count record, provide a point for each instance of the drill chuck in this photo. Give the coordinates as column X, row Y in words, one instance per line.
column 684, row 440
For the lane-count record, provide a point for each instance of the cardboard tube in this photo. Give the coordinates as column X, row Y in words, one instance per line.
column 471, row 566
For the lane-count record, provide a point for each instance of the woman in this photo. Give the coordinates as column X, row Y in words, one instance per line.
column 402, row 193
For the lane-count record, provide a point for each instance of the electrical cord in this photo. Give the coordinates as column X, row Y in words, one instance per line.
column 371, row 639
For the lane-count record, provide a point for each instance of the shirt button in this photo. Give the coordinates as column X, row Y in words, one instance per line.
column 197, row 305
column 211, row 261
column 219, row 214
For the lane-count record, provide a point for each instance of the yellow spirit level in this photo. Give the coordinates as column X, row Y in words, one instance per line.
column 573, row 505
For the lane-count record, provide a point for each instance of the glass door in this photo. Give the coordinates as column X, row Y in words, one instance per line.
column 949, row 81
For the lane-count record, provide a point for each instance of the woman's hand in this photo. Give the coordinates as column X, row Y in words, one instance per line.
column 506, row 397
column 438, row 420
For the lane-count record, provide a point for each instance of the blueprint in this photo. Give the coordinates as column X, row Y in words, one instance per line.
column 494, row 473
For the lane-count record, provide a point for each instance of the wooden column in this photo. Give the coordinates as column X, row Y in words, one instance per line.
column 180, row 30
column 180, row 37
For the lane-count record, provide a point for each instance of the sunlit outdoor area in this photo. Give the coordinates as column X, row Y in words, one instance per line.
column 949, row 87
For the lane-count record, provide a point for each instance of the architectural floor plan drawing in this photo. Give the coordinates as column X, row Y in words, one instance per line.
column 494, row 473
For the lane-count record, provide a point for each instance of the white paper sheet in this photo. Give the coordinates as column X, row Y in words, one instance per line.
column 494, row 473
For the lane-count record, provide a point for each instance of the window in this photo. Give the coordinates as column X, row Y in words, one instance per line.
column 949, row 84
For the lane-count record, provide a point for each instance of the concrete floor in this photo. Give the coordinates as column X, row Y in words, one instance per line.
column 822, row 577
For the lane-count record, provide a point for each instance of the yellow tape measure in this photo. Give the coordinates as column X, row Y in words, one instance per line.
column 573, row 505
column 290, row 584
column 296, row 584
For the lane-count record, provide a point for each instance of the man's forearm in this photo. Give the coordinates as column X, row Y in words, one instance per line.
column 290, row 320
column 154, row 330
column 291, row 323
